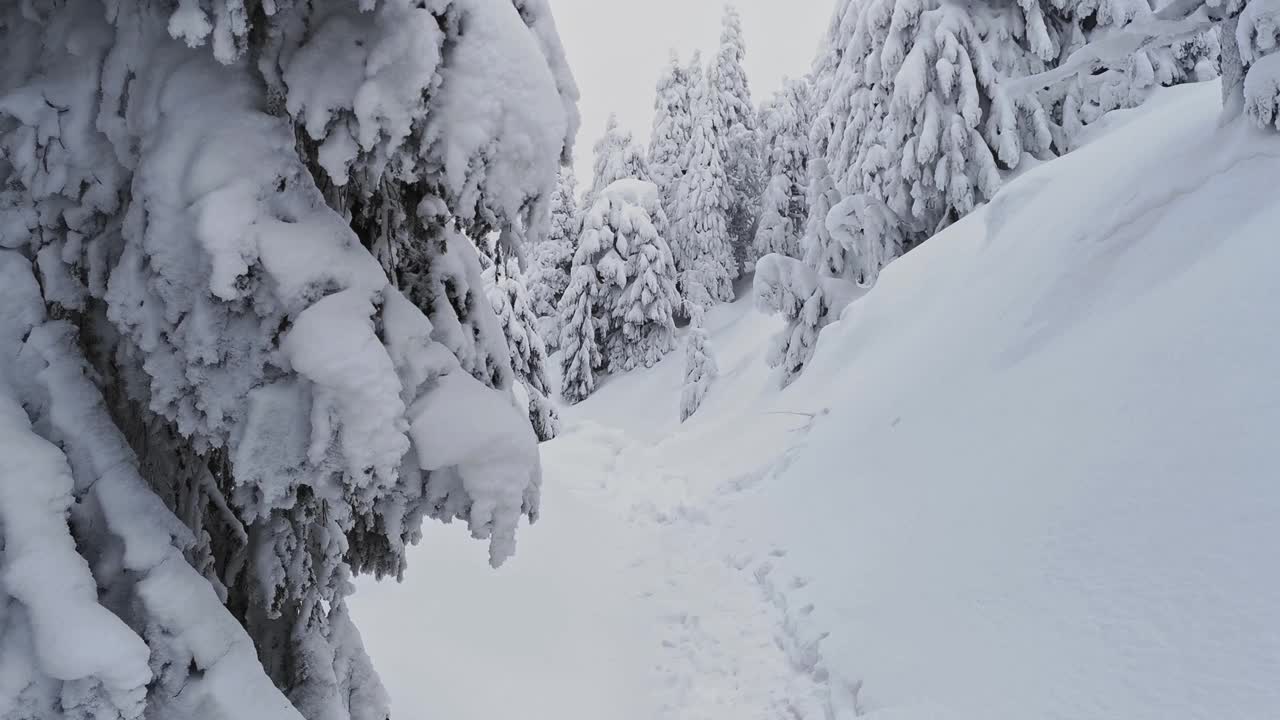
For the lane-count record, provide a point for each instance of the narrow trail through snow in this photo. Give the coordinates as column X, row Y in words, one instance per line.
column 637, row 594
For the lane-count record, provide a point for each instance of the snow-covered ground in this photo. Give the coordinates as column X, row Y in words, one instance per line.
column 1031, row 475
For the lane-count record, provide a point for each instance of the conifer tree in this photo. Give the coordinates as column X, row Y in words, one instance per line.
column 785, row 123
column 235, row 262
column 700, row 368
column 703, row 251
column 510, row 300
column 617, row 313
column 734, row 124
column 551, row 259
column 672, row 129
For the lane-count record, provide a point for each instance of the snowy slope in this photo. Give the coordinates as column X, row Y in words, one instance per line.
column 1046, row 487
column 1030, row 475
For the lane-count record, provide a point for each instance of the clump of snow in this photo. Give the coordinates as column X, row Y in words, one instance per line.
column 489, row 448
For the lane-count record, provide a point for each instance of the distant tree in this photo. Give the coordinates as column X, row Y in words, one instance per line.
column 733, row 119
column 704, row 249
column 551, row 259
column 617, row 313
column 672, row 130
column 784, row 130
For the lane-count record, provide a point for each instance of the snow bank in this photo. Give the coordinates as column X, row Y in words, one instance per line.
column 1046, row 484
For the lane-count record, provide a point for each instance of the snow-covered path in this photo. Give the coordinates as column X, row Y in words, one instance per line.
column 632, row 598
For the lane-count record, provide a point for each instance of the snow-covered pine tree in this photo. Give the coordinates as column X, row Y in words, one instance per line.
column 617, row 312
column 672, row 128
column 617, row 156
column 581, row 358
column 642, row 328
column 700, row 368
column 239, row 305
column 733, row 116
column 702, row 247
column 505, row 286
column 551, row 259
column 785, row 121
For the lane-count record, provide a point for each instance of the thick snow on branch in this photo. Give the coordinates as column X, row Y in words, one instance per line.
column 271, row 354
column 806, row 300
column 110, row 638
column 1162, row 30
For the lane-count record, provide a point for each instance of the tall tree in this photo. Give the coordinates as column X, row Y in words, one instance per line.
column 551, row 259
column 617, row 312
column 704, row 249
column 785, row 121
column 734, row 123
column 235, row 267
column 672, row 129
column 643, row 310
column 616, row 157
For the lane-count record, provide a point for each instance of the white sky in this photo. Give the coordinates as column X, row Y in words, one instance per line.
column 617, row 48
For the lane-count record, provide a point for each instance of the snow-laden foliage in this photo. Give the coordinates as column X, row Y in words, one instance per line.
column 550, row 258
column 617, row 313
column 702, row 246
column 700, row 368
column 1246, row 38
column 672, row 128
column 505, row 286
column 785, row 121
column 733, row 114
column 1046, row 32
column 617, row 156
column 268, row 350
column 919, row 110
column 808, row 302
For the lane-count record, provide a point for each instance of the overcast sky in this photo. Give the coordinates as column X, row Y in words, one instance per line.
column 618, row 47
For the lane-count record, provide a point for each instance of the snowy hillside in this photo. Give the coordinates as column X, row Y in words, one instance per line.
column 1030, row 475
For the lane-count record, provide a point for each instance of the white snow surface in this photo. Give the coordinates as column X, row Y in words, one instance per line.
column 1031, row 474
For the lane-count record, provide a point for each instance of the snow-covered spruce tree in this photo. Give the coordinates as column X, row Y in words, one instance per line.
column 506, row 289
column 551, row 258
column 244, row 348
column 642, row 328
column 617, row 312
column 700, row 368
column 702, row 247
column 581, row 358
column 617, row 156
column 785, row 121
column 733, row 116
column 672, row 128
